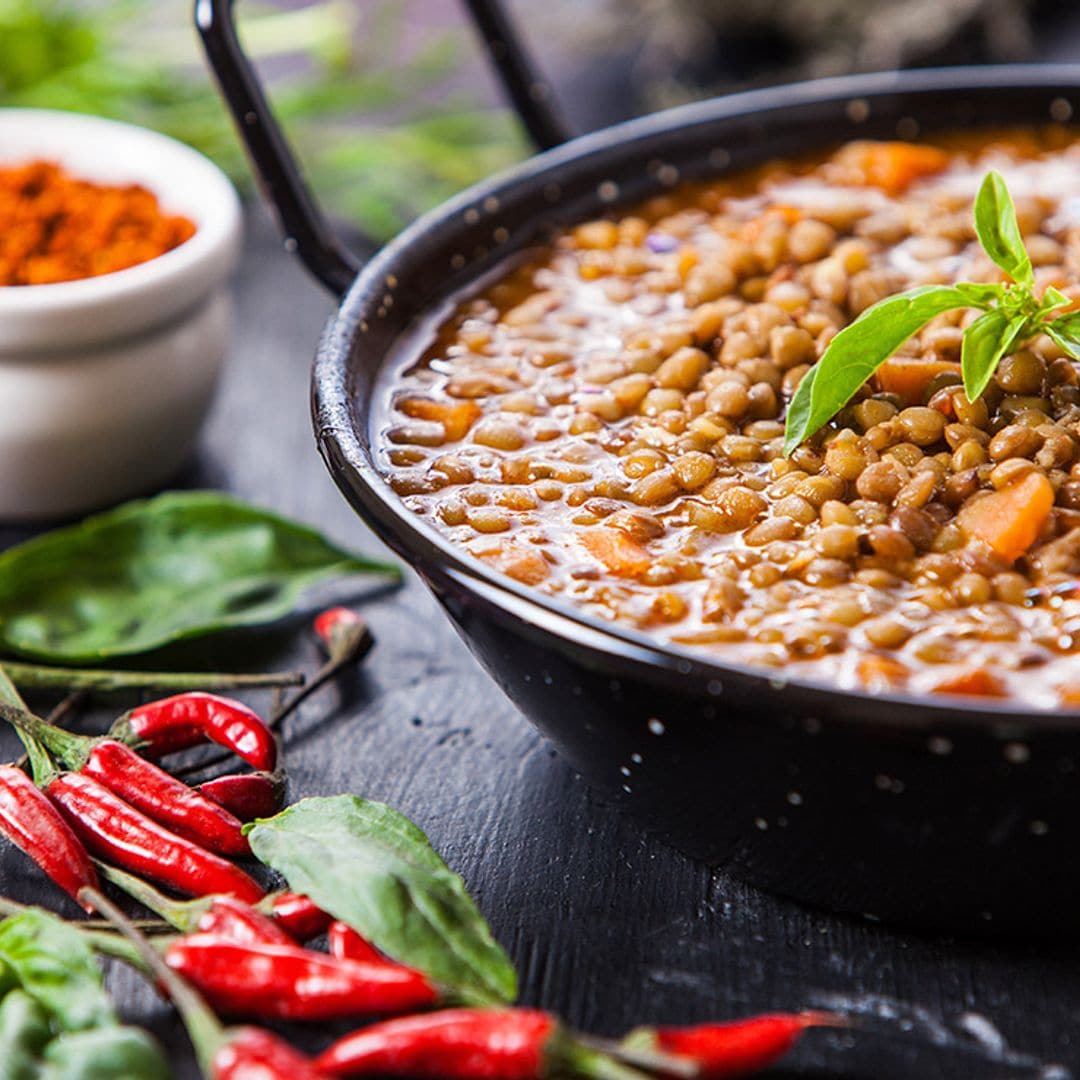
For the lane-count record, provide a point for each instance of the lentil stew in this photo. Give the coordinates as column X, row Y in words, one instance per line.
column 604, row 424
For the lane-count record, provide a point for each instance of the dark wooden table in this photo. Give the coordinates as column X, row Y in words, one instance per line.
column 607, row 926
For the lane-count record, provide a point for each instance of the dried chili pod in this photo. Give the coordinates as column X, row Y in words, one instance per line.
column 186, row 720
column 289, row 982
column 346, row 944
column 254, row 1054
column 343, row 633
column 142, row 784
column 31, row 822
column 297, row 915
column 470, row 1044
column 246, row 796
column 115, row 831
column 222, row 915
column 732, row 1048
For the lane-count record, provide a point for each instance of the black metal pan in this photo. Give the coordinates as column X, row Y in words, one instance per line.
column 923, row 811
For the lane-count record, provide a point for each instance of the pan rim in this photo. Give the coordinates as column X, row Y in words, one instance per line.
column 338, row 425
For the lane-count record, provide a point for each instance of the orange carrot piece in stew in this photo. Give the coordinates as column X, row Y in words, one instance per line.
column 617, row 551
column 1009, row 521
column 1069, row 694
column 974, row 683
column 878, row 672
column 522, row 563
column 895, row 166
column 909, row 377
column 456, row 417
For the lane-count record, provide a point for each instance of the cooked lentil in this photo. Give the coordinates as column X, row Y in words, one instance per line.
column 632, row 376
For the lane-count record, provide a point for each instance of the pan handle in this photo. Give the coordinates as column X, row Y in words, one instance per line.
column 302, row 222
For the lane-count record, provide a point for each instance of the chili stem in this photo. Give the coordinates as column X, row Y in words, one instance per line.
column 40, row 677
column 8, row 694
column 202, row 1025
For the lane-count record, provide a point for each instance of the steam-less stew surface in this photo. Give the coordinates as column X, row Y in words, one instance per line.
column 605, row 425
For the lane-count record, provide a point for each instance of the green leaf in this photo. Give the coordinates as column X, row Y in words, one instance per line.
column 1065, row 330
column 371, row 867
column 980, row 294
column 998, row 231
column 151, row 572
column 858, row 351
column 24, row 1031
column 57, row 969
column 990, row 337
column 112, row 1053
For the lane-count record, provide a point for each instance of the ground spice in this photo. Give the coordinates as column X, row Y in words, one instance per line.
column 57, row 227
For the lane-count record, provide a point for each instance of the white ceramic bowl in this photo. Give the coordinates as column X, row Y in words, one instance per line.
column 105, row 382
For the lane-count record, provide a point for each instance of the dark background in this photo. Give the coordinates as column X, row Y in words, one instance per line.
column 607, row 926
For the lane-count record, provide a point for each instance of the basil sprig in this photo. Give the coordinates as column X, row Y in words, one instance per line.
column 1012, row 314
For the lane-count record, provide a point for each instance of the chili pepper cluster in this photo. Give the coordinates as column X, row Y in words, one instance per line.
column 104, row 809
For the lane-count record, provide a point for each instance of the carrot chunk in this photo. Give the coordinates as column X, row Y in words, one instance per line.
column 974, row 683
column 516, row 560
column 877, row 672
column 617, row 551
column 1009, row 521
column 455, row 416
column 894, row 166
column 908, row 376
column 1069, row 694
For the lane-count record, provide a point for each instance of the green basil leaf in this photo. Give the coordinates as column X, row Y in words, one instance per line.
column 24, row 1031
column 56, row 968
column 858, row 351
column 372, row 868
column 990, row 337
column 980, row 294
column 113, row 1053
column 998, row 231
column 1065, row 330
column 157, row 571
column 1053, row 298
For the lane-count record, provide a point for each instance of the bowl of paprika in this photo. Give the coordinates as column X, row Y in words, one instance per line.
column 114, row 244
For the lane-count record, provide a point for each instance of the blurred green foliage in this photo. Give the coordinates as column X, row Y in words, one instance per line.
column 380, row 136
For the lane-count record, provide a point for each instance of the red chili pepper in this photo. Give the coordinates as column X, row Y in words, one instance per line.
column 245, row 795
column 454, row 1044
column 736, row 1048
column 289, row 982
column 186, row 720
column 240, row 923
column 253, row 1054
column 338, row 628
column 298, row 916
column 115, row 831
column 32, row 823
column 346, row 944
column 164, row 798
column 142, row 784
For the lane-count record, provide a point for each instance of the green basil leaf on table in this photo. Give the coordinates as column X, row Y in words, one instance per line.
column 998, row 231
column 990, row 337
column 372, row 868
column 24, row 1033
column 156, row 571
column 858, row 351
column 109, row 1053
column 54, row 965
